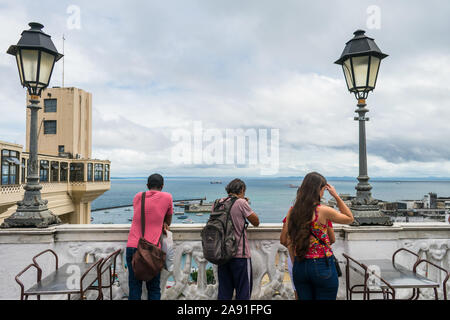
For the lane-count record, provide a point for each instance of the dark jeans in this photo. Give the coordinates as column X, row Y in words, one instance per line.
column 315, row 279
column 135, row 286
column 236, row 274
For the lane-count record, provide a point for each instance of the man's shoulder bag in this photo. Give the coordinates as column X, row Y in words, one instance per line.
column 148, row 260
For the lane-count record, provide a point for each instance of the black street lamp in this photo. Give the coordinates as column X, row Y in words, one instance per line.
column 360, row 62
column 35, row 56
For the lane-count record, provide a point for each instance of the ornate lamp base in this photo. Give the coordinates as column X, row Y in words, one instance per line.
column 30, row 219
column 369, row 215
column 32, row 212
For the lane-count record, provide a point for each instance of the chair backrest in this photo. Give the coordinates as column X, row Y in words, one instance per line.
column 96, row 265
column 37, row 264
column 110, row 261
column 17, row 278
column 447, row 274
column 407, row 251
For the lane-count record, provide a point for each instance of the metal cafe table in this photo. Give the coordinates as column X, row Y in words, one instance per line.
column 70, row 278
column 390, row 276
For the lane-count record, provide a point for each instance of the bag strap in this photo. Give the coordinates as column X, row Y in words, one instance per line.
column 233, row 199
column 143, row 213
column 243, row 236
column 143, row 218
column 320, row 240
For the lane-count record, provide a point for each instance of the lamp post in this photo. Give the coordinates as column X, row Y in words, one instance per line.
column 35, row 56
column 360, row 62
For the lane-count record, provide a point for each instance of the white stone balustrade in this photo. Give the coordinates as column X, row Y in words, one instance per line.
column 73, row 243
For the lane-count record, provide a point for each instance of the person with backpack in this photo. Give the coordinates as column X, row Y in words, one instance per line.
column 158, row 210
column 314, row 268
column 225, row 242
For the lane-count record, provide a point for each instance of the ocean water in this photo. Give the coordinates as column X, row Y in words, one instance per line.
column 270, row 198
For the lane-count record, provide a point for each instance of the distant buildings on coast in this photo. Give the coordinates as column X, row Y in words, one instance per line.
column 70, row 178
column 430, row 207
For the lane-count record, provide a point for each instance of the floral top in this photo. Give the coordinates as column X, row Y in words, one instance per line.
column 317, row 249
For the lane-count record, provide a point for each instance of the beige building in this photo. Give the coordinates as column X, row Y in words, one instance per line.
column 64, row 123
column 71, row 180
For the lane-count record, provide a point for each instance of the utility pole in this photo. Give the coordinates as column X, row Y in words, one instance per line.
column 63, row 62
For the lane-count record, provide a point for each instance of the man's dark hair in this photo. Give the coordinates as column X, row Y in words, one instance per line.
column 236, row 186
column 155, row 181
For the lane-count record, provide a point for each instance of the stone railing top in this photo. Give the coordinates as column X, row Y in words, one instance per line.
column 191, row 232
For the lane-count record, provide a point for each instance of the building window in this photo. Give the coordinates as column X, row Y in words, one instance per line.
column 90, row 171
column 10, row 167
column 98, row 172
column 49, row 105
column 49, row 126
column 61, row 149
column 107, row 177
column 63, row 171
column 24, row 166
column 76, row 172
column 43, row 171
column 54, row 171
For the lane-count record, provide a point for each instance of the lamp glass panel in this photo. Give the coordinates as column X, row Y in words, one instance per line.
column 45, row 70
column 19, row 66
column 348, row 73
column 30, row 62
column 374, row 66
column 360, row 69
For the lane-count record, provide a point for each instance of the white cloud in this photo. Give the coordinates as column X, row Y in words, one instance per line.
column 156, row 66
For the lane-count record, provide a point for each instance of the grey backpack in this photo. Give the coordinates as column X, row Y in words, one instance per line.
column 218, row 240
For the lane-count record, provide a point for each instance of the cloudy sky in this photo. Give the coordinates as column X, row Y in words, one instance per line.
column 157, row 67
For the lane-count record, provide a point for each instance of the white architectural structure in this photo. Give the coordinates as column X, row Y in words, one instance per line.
column 73, row 243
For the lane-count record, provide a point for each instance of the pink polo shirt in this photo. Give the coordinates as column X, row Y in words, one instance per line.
column 158, row 204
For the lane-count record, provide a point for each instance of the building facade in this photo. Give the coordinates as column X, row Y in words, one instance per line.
column 71, row 180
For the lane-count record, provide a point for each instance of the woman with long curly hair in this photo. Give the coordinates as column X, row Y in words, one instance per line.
column 307, row 238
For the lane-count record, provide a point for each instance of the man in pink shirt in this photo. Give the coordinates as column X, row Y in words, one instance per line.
column 158, row 213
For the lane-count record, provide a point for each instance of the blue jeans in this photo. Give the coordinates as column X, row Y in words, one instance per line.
column 135, row 286
column 236, row 274
column 315, row 279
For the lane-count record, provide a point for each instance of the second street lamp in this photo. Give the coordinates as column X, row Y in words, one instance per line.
column 360, row 62
column 35, row 56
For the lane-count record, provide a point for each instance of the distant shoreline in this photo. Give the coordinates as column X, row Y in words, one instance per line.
column 379, row 179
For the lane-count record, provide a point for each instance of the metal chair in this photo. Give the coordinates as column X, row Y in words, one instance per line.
column 57, row 282
column 37, row 264
column 108, row 264
column 444, row 283
column 23, row 293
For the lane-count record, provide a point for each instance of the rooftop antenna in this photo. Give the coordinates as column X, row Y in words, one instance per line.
column 63, row 62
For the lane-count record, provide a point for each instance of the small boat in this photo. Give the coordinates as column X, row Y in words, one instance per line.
column 215, row 182
column 182, row 217
column 128, row 209
column 293, row 186
column 199, row 214
column 195, row 208
column 188, row 221
column 180, row 213
column 181, row 203
column 106, row 212
column 130, row 219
